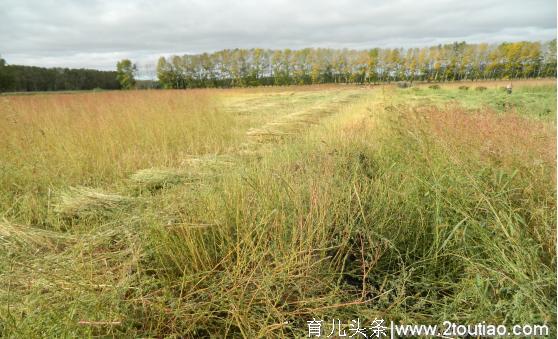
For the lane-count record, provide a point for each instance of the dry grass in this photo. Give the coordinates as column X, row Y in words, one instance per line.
column 406, row 205
column 508, row 139
column 86, row 202
column 30, row 239
column 103, row 136
column 156, row 178
column 295, row 122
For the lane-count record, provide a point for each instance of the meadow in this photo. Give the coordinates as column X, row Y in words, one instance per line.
column 248, row 212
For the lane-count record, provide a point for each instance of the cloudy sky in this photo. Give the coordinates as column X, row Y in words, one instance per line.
column 97, row 33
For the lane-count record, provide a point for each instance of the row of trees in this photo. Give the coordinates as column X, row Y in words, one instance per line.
column 256, row 67
column 457, row 61
column 16, row 78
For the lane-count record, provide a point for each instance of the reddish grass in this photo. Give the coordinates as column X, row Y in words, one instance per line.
column 503, row 139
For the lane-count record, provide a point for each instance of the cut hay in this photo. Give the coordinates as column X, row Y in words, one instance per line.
column 208, row 161
column 294, row 122
column 85, row 202
column 21, row 237
column 251, row 150
column 266, row 132
column 157, row 178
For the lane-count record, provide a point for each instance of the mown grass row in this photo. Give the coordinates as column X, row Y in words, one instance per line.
column 388, row 209
column 49, row 142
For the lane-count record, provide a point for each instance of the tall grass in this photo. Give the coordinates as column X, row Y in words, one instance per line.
column 102, row 136
column 386, row 207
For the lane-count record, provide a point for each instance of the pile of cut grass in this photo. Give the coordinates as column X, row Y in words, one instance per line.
column 20, row 238
column 85, row 202
column 157, row 178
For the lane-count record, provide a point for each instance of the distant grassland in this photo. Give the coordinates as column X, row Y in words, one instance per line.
column 248, row 212
column 534, row 98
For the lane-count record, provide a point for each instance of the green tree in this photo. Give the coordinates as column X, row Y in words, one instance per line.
column 125, row 73
column 550, row 59
column 5, row 82
column 17, row 78
column 456, row 61
column 165, row 73
column 373, row 63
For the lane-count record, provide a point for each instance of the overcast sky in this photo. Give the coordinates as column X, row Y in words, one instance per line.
column 97, row 33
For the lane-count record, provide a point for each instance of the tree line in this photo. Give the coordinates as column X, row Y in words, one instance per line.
column 449, row 62
column 17, row 78
column 264, row 67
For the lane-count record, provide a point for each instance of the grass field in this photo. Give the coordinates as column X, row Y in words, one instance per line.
column 246, row 213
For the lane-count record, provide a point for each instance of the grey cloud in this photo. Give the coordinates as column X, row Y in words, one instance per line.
column 97, row 33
